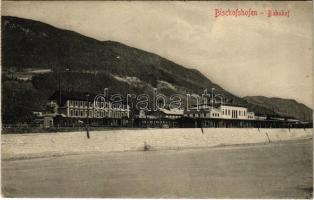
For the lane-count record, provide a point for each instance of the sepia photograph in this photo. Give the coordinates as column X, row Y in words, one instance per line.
column 157, row 99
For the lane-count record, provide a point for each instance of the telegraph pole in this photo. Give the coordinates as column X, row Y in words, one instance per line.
column 87, row 120
column 59, row 81
column 213, row 97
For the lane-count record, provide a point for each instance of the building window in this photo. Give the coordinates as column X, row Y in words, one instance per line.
column 71, row 112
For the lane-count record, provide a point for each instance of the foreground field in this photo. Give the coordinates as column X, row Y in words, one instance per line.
column 276, row 170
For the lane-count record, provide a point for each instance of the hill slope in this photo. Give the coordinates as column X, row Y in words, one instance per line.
column 284, row 107
column 32, row 44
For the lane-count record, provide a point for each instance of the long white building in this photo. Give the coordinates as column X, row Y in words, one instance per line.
column 222, row 112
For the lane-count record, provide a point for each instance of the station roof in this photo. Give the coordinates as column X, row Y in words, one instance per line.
column 79, row 96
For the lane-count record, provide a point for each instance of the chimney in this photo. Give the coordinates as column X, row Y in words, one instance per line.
column 106, row 93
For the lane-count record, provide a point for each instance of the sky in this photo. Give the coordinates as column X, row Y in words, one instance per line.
column 247, row 56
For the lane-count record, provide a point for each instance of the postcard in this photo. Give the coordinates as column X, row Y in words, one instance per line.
column 157, row 99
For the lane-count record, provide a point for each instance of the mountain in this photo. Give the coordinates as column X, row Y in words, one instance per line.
column 32, row 44
column 38, row 59
column 283, row 107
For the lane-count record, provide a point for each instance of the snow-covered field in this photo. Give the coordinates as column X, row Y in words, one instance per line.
column 49, row 144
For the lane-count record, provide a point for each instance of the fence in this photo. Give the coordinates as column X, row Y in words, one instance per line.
column 68, row 124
